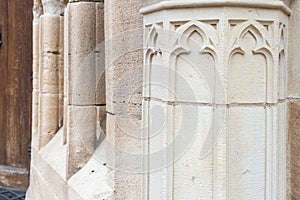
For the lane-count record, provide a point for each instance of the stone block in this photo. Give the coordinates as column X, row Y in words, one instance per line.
column 124, row 56
column 293, row 147
column 49, row 33
column 46, row 176
column 55, row 153
column 49, row 77
column 101, row 124
column 96, row 178
column 81, row 136
column 124, row 155
column 193, row 173
column 81, row 73
column 294, row 60
column 48, row 118
column 54, row 7
column 256, row 145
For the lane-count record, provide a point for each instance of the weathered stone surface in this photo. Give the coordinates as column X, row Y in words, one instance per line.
column 93, row 172
column 55, row 7
column 100, row 56
column 294, row 60
column 35, row 84
column 81, row 132
column 48, row 118
column 81, row 73
column 123, row 62
column 294, row 156
column 37, row 10
column 234, row 151
column 50, row 63
column 47, row 178
column 234, row 57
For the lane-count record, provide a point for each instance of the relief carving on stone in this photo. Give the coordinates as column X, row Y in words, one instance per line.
column 251, row 56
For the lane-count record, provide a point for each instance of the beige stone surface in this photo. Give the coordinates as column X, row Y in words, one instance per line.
column 81, row 133
column 123, row 62
column 211, row 57
column 96, row 173
column 294, row 156
column 48, row 118
column 100, row 56
column 50, row 54
column 37, row 11
column 61, row 72
column 214, row 100
column 55, row 7
column 81, row 40
column 35, row 83
column 55, row 153
column 293, row 62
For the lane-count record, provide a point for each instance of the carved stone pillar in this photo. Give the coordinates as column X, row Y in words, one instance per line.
column 215, row 99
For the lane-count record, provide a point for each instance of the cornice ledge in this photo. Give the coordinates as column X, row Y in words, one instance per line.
column 166, row 5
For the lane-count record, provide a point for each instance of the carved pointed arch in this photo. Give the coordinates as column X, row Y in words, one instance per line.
column 152, row 38
column 282, row 36
column 151, row 43
column 151, row 51
column 207, row 33
column 262, row 36
column 261, row 45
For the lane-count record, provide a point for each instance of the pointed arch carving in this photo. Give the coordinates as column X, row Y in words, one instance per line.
column 152, row 55
column 250, row 42
column 195, row 49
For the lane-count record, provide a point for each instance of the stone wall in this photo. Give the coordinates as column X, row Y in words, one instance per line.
column 294, row 103
column 190, row 102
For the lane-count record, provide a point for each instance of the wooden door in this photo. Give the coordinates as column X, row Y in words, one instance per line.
column 15, row 92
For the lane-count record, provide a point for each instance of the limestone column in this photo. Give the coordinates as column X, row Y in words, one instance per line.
column 80, row 83
column 48, row 32
column 215, row 99
column 123, row 58
column 50, row 64
column 37, row 12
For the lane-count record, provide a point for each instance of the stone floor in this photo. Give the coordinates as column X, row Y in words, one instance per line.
column 8, row 194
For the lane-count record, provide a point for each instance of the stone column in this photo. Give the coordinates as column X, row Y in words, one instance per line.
column 215, row 99
column 123, row 58
column 37, row 12
column 80, row 84
column 51, row 52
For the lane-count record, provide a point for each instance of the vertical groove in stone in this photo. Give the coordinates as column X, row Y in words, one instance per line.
column 61, row 72
column 35, row 84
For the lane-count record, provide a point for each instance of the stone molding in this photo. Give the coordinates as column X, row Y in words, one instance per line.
column 164, row 5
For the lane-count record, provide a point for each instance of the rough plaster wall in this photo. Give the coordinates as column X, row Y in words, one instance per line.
column 124, row 65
